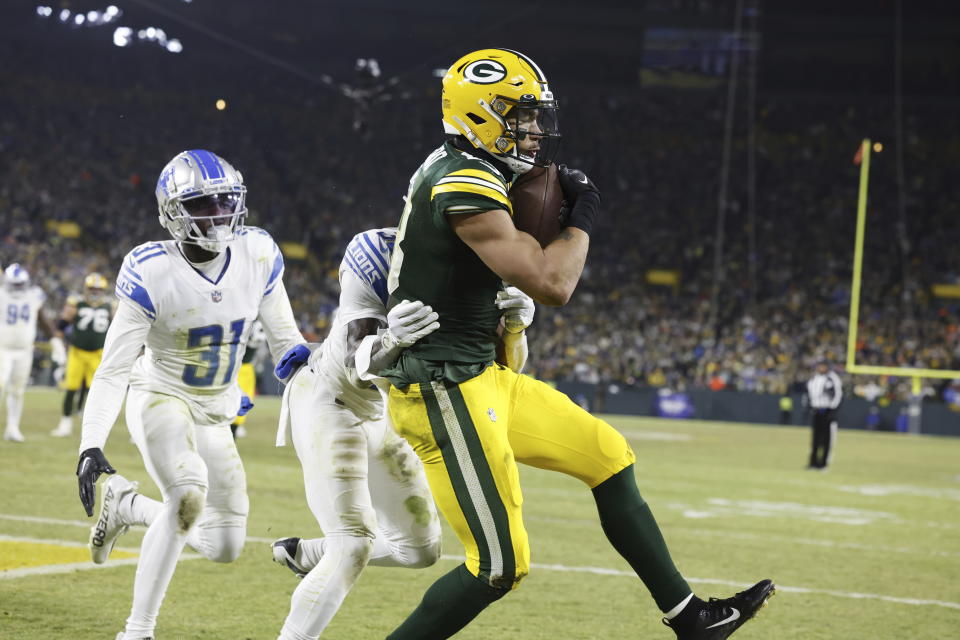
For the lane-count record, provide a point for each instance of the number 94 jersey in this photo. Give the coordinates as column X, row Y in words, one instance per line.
column 18, row 324
column 200, row 323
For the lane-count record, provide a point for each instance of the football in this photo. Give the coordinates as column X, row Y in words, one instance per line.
column 537, row 197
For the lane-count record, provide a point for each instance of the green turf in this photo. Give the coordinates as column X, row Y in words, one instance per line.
column 734, row 502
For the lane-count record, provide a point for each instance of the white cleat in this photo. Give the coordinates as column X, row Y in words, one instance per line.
column 109, row 526
column 64, row 428
column 13, row 436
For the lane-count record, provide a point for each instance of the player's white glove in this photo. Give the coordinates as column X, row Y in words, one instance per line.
column 408, row 322
column 58, row 352
column 518, row 309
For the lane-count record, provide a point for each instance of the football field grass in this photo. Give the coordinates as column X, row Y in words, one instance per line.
column 869, row 550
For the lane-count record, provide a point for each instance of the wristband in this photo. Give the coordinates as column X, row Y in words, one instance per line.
column 585, row 211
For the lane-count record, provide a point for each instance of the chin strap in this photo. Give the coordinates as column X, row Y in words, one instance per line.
column 500, row 162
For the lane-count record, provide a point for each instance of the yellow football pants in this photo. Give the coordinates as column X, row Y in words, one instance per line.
column 470, row 437
column 247, row 379
column 81, row 365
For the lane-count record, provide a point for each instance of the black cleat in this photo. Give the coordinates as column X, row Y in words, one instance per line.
column 285, row 553
column 718, row 619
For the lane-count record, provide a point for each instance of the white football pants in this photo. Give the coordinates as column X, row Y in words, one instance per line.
column 204, row 488
column 367, row 489
column 14, row 373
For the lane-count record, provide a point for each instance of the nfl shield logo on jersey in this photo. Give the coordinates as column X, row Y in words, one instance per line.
column 216, row 295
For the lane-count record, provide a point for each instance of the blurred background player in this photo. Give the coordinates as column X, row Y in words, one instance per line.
column 247, row 376
column 825, row 392
column 21, row 305
column 191, row 302
column 83, row 323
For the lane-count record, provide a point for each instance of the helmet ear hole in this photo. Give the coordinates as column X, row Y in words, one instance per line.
column 476, row 119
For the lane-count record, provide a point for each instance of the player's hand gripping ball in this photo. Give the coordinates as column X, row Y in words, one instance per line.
column 537, row 199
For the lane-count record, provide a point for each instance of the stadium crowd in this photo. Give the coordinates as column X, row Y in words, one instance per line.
column 78, row 194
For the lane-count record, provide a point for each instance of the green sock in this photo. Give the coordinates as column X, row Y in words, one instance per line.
column 449, row 605
column 68, row 403
column 633, row 532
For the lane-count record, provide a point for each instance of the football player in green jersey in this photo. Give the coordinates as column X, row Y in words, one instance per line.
column 83, row 322
column 471, row 420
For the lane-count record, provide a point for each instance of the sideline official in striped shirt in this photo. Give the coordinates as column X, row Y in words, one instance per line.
column 825, row 393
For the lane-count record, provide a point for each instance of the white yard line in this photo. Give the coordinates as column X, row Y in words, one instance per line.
column 604, row 571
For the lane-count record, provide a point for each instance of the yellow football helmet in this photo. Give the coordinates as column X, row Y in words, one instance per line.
column 95, row 286
column 492, row 96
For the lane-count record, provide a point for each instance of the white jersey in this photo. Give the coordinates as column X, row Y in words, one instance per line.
column 363, row 294
column 194, row 328
column 18, row 323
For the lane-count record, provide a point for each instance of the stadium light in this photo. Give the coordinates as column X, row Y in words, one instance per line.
column 112, row 12
column 64, row 15
column 122, row 36
column 44, row 11
column 221, row 104
column 877, row 147
column 93, row 16
column 79, row 19
column 174, row 46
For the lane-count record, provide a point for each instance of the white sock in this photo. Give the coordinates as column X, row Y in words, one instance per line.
column 384, row 553
column 309, row 552
column 159, row 553
column 673, row 613
column 14, row 411
column 321, row 592
column 139, row 509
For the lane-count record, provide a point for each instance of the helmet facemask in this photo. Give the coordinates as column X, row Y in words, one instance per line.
column 526, row 120
column 224, row 211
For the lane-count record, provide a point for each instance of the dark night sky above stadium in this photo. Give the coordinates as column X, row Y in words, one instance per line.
column 806, row 46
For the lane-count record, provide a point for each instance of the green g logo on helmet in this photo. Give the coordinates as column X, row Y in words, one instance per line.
column 485, row 72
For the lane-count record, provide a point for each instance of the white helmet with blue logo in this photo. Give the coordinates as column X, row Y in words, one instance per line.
column 202, row 199
column 16, row 278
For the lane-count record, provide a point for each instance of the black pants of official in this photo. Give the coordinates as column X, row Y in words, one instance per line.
column 822, row 437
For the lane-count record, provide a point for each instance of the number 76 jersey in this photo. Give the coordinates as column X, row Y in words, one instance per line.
column 200, row 324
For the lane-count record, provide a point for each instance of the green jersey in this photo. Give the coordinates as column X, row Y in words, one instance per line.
column 90, row 324
column 431, row 264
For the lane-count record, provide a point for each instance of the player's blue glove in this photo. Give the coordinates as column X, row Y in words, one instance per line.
column 291, row 361
column 245, row 405
column 92, row 463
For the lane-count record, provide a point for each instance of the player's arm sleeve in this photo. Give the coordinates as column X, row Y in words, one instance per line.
column 358, row 299
column 279, row 325
column 469, row 190
column 125, row 337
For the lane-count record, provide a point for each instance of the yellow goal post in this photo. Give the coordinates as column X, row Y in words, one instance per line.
column 852, row 367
